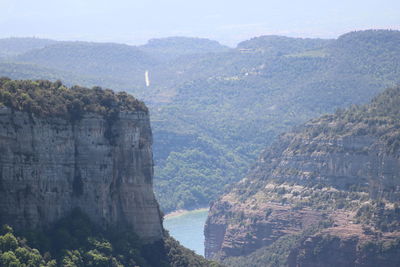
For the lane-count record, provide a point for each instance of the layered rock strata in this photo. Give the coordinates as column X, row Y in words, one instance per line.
column 50, row 166
column 339, row 175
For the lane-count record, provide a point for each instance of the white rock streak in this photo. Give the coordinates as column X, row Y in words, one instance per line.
column 146, row 78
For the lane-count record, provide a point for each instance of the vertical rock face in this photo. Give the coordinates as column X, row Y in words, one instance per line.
column 49, row 166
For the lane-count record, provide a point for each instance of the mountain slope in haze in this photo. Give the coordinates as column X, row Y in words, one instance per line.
column 274, row 45
column 122, row 66
column 212, row 113
column 325, row 194
column 31, row 71
column 102, row 60
column 225, row 120
column 173, row 47
column 15, row 46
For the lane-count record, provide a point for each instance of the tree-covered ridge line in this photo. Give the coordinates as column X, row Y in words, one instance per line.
column 75, row 241
column 52, row 99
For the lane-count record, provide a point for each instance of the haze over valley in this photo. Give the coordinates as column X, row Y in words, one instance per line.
column 121, row 122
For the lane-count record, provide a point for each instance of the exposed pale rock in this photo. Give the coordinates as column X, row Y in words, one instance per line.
column 49, row 166
column 298, row 169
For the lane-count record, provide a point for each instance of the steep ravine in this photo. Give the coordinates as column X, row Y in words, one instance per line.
column 336, row 178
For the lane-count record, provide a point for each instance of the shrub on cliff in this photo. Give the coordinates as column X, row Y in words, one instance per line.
column 14, row 252
column 44, row 98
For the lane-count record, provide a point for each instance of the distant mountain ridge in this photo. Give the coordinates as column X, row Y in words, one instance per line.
column 174, row 47
column 275, row 45
column 220, row 109
column 95, row 59
column 15, row 46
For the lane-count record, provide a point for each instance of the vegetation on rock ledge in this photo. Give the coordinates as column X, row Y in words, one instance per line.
column 44, row 98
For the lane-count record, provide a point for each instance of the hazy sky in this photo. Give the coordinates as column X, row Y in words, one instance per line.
column 134, row 22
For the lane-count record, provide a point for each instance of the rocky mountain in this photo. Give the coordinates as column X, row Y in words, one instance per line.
column 325, row 194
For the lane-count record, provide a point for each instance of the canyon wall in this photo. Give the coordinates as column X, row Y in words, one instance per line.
column 104, row 166
column 334, row 180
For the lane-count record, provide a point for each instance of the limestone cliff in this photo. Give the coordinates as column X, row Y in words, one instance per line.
column 51, row 164
column 338, row 176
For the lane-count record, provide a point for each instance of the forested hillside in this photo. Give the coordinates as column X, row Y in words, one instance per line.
column 213, row 109
column 213, row 129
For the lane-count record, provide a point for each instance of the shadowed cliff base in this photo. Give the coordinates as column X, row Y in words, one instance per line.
column 75, row 241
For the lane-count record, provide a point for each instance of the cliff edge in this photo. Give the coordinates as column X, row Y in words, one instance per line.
column 66, row 148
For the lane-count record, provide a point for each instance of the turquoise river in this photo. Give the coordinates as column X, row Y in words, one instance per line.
column 188, row 228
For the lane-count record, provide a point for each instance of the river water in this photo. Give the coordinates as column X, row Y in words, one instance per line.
column 188, row 229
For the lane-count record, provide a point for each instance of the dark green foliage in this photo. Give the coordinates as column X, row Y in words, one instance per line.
column 14, row 252
column 75, row 241
column 52, row 99
column 180, row 256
